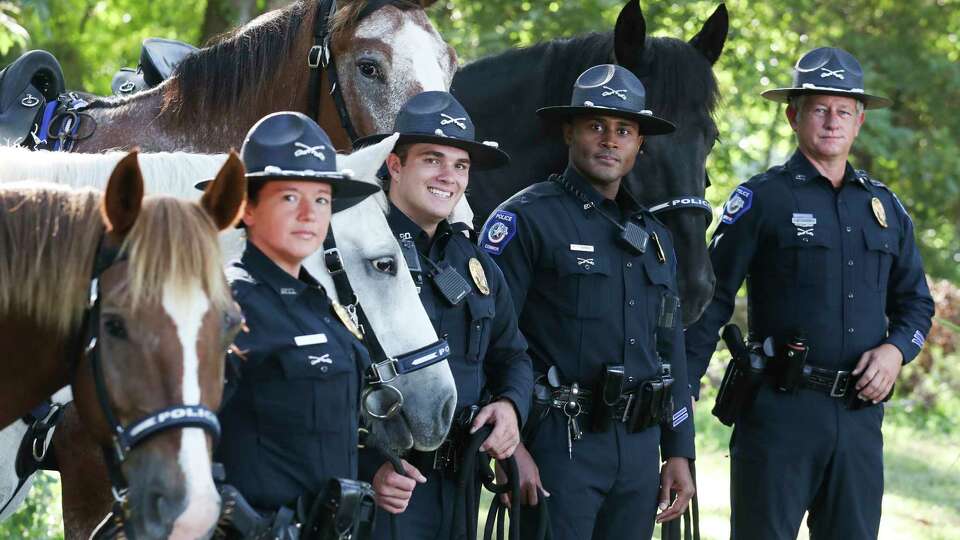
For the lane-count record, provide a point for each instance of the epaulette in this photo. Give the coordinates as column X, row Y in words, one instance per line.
column 238, row 274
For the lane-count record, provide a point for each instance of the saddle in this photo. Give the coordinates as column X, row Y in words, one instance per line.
column 26, row 86
column 158, row 58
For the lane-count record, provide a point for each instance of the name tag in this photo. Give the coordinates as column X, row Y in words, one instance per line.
column 581, row 247
column 310, row 339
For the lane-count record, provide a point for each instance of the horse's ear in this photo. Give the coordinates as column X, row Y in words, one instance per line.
column 630, row 34
column 366, row 162
column 124, row 196
column 713, row 35
column 225, row 197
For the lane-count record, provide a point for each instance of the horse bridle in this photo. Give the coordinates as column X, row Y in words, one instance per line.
column 125, row 437
column 382, row 369
column 685, row 202
column 320, row 60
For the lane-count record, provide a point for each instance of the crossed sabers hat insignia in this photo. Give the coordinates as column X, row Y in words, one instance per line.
column 447, row 120
column 315, row 151
column 622, row 94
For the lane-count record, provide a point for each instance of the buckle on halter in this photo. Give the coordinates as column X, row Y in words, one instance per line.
column 333, row 261
column 319, row 55
column 388, row 366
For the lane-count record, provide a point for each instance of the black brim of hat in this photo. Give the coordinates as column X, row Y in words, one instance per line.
column 649, row 124
column 346, row 191
column 783, row 95
column 482, row 156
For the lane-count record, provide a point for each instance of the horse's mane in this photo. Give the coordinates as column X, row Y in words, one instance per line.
column 50, row 238
column 677, row 77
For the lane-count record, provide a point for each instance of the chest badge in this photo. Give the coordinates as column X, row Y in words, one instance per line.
column 344, row 316
column 878, row 212
column 479, row 277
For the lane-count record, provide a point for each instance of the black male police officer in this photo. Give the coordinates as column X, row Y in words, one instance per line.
column 468, row 303
column 593, row 277
column 832, row 267
column 290, row 417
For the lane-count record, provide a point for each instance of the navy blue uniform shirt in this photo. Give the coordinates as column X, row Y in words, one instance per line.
column 290, row 420
column 488, row 354
column 584, row 301
column 817, row 260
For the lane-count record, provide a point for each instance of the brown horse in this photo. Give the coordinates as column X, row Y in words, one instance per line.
column 124, row 297
column 382, row 52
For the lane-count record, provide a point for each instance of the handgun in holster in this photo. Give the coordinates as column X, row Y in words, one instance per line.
column 606, row 397
column 791, row 358
column 344, row 510
column 653, row 402
column 743, row 377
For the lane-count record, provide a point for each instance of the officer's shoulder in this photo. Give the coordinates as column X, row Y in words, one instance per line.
column 533, row 194
column 866, row 177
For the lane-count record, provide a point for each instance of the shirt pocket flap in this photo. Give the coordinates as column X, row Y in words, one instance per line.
column 659, row 273
column 314, row 362
column 481, row 307
column 880, row 241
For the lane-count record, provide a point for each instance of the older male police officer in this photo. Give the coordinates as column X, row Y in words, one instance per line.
column 429, row 172
column 291, row 409
column 833, row 273
column 593, row 276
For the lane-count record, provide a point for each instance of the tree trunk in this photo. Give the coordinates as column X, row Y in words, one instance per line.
column 224, row 15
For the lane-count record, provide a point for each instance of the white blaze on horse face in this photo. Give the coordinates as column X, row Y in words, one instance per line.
column 420, row 59
column 187, row 309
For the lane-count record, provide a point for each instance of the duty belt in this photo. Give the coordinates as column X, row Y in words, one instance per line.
column 838, row 384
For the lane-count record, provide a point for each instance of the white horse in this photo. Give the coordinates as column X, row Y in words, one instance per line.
column 389, row 298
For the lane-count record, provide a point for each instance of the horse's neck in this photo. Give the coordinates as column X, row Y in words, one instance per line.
column 143, row 121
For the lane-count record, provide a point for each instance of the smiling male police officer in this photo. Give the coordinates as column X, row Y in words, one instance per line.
column 832, row 268
column 467, row 300
column 593, row 276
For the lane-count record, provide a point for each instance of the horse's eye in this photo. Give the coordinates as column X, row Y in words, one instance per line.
column 387, row 265
column 370, row 70
column 115, row 327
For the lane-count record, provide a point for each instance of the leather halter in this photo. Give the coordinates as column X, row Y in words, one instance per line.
column 320, row 60
column 383, row 369
column 125, row 437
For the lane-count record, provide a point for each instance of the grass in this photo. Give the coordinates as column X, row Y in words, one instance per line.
column 922, row 479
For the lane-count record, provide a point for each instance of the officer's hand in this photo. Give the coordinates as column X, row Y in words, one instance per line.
column 880, row 368
column 675, row 478
column 529, row 478
column 505, row 436
column 392, row 491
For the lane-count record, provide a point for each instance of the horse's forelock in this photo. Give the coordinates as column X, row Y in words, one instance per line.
column 173, row 249
column 679, row 80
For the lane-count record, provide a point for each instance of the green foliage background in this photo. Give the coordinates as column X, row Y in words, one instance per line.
column 910, row 50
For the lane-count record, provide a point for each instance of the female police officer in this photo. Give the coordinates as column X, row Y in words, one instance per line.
column 288, row 418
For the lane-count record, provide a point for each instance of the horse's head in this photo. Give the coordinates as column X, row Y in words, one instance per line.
column 153, row 368
column 681, row 87
column 381, row 280
column 386, row 52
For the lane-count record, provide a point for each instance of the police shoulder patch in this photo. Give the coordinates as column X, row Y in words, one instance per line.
column 498, row 231
column 737, row 205
column 239, row 274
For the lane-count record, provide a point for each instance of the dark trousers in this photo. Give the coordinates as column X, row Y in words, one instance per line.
column 429, row 515
column 607, row 491
column 793, row 453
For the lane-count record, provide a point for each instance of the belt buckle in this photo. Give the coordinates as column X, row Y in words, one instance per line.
column 840, row 382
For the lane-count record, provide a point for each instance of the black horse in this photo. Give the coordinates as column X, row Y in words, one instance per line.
column 503, row 92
